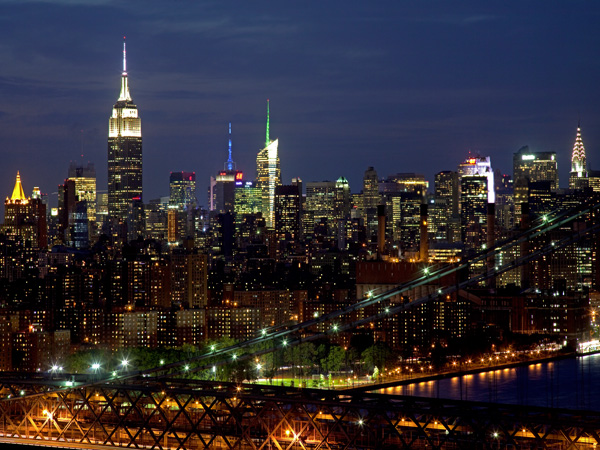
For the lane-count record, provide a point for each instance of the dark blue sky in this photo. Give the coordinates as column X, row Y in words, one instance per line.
column 404, row 86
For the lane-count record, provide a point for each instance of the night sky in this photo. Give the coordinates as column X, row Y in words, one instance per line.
column 404, row 86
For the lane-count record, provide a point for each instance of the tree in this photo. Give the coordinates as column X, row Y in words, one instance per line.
column 378, row 355
column 334, row 360
column 301, row 357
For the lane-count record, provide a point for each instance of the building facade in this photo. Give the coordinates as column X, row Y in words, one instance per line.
column 124, row 152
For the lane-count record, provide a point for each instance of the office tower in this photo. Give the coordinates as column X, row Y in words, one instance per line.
column 124, row 152
column 536, row 181
column 67, row 201
column 477, row 188
column 320, row 205
column 247, row 200
column 482, row 167
column 403, row 216
column 85, row 186
column 136, row 220
column 473, row 209
column 101, row 207
column 156, row 212
column 371, row 199
column 25, row 218
column 268, row 175
column 579, row 174
column 342, row 204
column 535, row 166
column 505, row 201
column 446, row 189
column 80, row 236
column 247, row 212
column 287, row 215
column 406, row 182
column 443, row 210
column 182, row 189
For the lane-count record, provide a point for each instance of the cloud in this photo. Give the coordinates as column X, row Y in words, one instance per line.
column 456, row 19
column 61, row 2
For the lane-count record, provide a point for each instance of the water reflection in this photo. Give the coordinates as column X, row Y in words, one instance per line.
column 560, row 384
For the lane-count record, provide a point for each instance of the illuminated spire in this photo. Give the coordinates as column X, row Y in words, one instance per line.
column 124, row 57
column 18, row 193
column 578, row 163
column 267, row 141
column 230, row 165
column 124, row 95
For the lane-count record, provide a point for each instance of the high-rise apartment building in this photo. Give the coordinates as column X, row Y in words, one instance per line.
column 124, row 152
column 268, row 175
column 189, row 278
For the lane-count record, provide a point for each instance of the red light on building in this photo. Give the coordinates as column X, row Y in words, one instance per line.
column 239, row 176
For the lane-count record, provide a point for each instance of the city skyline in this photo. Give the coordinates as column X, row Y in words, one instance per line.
column 349, row 104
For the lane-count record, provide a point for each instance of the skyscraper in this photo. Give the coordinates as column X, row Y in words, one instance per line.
column 124, row 152
column 477, row 189
column 535, row 166
column 25, row 218
column 479, row 166
column 84, row 179
column 579, row 175
column 371, row 199
column 182, row 189
column 268, row 175
column 287, row 213
column 224, row 184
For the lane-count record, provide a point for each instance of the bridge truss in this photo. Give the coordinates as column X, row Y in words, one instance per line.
column 184, row 414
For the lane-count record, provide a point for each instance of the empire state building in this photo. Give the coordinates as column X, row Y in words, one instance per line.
column 124, row 152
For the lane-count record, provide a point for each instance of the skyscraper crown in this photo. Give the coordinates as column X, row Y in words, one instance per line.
column 578, row 163
column 18, row 193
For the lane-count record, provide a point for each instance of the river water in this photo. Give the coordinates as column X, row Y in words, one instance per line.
column 572, row 383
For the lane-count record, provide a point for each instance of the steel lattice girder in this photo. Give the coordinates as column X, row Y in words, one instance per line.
column 197, row 414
